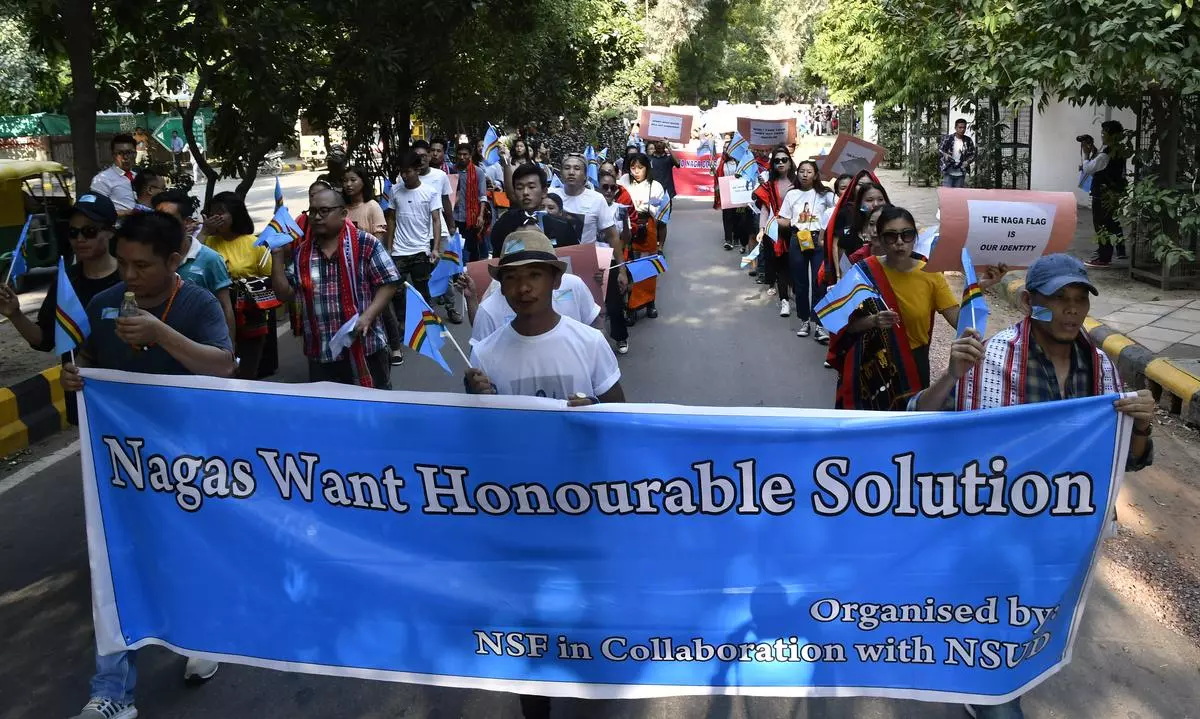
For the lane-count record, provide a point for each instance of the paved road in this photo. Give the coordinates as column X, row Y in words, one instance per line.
column 717, row 342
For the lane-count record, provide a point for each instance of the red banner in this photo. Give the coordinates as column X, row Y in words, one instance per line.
column 693, row 177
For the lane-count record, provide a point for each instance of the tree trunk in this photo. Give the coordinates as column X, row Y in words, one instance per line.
column 189, row 117
column 77, row 22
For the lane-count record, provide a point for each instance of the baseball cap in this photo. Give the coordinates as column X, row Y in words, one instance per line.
column 526, row 246
column 1050, row 273
column 96, row 207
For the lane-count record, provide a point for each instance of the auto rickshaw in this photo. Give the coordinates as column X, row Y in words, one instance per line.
column 35, row 189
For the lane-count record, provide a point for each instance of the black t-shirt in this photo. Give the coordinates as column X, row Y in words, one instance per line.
column 662, row 167
column 85, row 289
column 559, row 230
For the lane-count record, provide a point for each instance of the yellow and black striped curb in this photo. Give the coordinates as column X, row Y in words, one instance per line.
column 289, row 167
column 31, row 410
column 1176, row 389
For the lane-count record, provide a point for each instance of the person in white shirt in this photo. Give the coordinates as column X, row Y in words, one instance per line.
column 804, row 214
column 116, row 181
column 541, row 353
column 177, row 146
column 598, row 227
column 572, row 299
column 416, row 229
column 440, row 181
column 646, row 231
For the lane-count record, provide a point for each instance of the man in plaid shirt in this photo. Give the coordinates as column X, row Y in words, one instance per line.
column 340, row 273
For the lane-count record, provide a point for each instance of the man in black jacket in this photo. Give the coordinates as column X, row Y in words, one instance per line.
column 1107, row 170
column 529, row 185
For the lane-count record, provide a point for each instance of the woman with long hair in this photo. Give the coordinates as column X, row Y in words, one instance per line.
column 802, row 218
column 863, row 195
column 647, row 195
column 229, row 230
column 842, row 183
column 768, row 198
column 521, row 153
column 358, row 189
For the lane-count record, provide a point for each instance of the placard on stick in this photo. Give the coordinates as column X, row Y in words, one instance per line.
column 765, row 134
column 735, row 192
column 661, row 125
column 851, row 155
column 1010, row 227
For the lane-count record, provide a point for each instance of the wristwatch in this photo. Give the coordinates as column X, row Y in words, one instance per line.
column 1142, row 432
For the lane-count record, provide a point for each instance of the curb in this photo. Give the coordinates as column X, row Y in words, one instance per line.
column 1176, row 389
column 31, row 410
column 290, row 167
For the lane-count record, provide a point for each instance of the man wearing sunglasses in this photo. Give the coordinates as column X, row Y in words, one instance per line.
column 116, row 181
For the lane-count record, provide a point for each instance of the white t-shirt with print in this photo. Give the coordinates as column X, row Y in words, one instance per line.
column 592, row 206
column 439, row 181
column 807, row 209
column 569, row 359
column 414, row 218
column 572, row 299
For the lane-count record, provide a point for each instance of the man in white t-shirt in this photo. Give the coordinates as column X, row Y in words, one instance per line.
column 416, row 229
column 571, row 299
column 440, row 181
column 541, row 353
column 598, row 226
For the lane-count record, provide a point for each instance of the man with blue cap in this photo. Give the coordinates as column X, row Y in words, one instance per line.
column 1047, row 356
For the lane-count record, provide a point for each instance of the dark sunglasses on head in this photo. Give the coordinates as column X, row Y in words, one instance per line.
column 891, row 236
column 89, row 233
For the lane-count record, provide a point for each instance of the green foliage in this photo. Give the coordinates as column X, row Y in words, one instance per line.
column 1165, row 216
column 29, row 81
column 890, row 124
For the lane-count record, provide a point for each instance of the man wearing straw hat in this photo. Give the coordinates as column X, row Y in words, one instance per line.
column 541, row 353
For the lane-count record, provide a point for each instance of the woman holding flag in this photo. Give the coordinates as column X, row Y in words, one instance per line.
column 647, row 195
column 768, row 197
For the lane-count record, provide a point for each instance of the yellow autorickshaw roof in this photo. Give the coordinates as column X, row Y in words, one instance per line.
column 20, row 169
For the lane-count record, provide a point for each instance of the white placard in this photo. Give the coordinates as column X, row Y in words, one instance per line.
column 768, row 132
column 1009, row 233
column 668, row 126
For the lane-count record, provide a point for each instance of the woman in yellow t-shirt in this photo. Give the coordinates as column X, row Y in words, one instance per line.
column 230, row 231
column 884, row 351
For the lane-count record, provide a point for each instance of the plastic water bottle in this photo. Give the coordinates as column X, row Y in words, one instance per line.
column 129, row 308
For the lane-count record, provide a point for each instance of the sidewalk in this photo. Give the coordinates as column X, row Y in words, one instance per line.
column 1152, row 334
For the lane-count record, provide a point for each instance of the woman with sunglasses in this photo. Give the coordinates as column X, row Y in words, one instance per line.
column 802, row 219
column 884, row 350
column 230, row 231
column 647, row 195
column 768, row 198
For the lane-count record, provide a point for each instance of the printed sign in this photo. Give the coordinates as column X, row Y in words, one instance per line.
column 735, row 192
column 660, row 125
column 1010, row 227
column 693, row 177
column 765, row 134
column 946, row 560
column 851, row 155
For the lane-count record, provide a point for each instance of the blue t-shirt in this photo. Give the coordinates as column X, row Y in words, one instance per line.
column 206, row 268
column 195, row 314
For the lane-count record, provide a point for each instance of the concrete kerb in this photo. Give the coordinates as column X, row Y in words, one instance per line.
column 290, row 167
column 1176, row 389
column 31, row 410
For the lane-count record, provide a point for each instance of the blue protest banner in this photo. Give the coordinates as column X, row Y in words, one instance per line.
column 934, row 556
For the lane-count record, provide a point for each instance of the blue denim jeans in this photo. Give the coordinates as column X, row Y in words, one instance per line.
column 1007, row 710
column 954, row 180
column 115, row 676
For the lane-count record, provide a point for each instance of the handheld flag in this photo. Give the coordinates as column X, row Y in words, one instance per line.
column 750, row 258
column 70, row 319
column 19, row 263
column 449, row 264
column 603, row 155
column 555, row 182
column 973, row 311
column 705, row 149
column 593, row 166
column 1085, row 181
column 278, row 193
column 738, row 147
column 773, row 228
column 844, row 298
column 281, row 231
column 491, row 147
column 926, row 241
column 663, row 212
column 646, row 267
column 423, row 328
column 748, row 168
column 385, row 200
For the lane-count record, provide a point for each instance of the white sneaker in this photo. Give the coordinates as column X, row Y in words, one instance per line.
column 199, row 670
column 101, row 708
column 804, row 329
column 785, row 308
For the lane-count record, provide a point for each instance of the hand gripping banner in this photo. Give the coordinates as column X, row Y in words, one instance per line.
column 512, row 544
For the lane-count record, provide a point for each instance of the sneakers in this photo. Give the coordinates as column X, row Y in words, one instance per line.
column 454, row 316
column 827, row 365
column 198, row 671
column 1095, row 261
column 804, row 329
column 822, row 335
column 728, row 246
column 101, row 708
column 651, row 312
column 770, row 292
column 623, row 347
column 785, row 308
column 1121, row 254
column 397, row 359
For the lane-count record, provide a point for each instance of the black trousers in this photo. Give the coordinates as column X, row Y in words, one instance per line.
column 1104, row 217
column 340, row 371
column 614, row 305
column 734, row 223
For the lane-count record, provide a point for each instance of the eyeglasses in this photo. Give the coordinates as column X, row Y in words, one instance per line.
column 890, row 237
column 608, row 187
column 125, row 153
column 89, row 233
column 322, row 212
